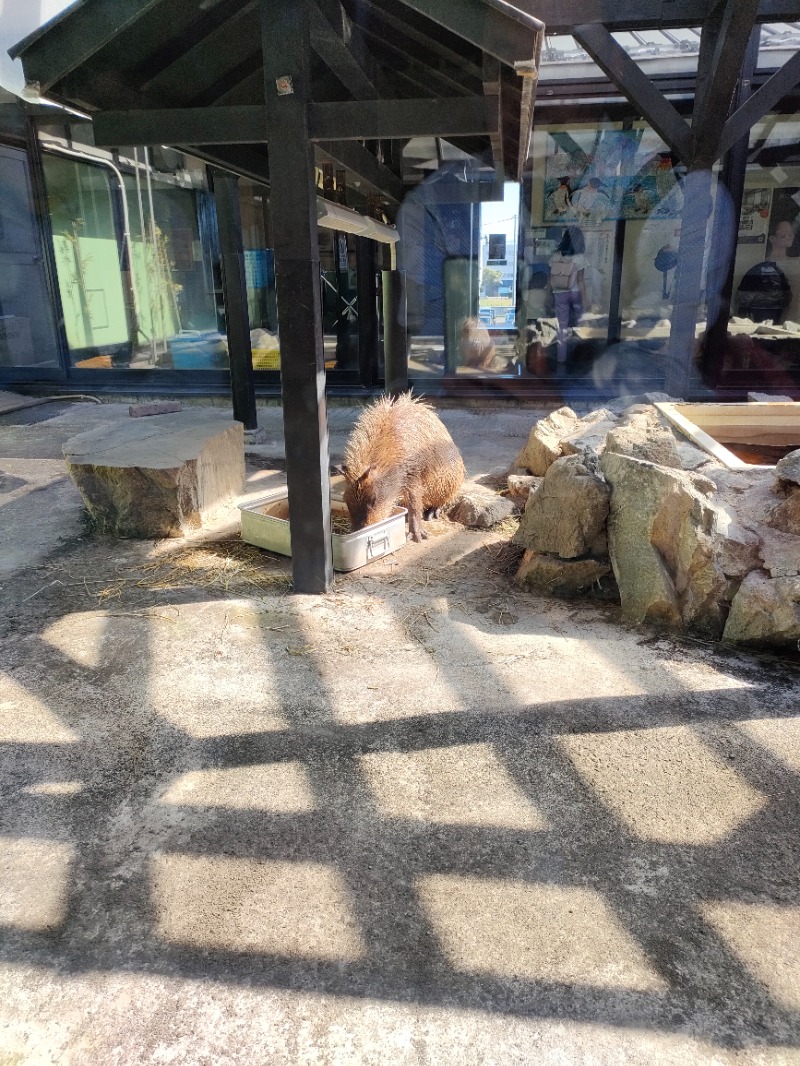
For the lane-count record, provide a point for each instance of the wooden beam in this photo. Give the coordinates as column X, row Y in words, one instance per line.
column 388, row 119
column 206, row 61
column 762, row 101
column 493, row 89
column 407, row 29
column 293, row 202
column 245, row 124
column 404, row 58
column 485, row 26
column 75, row 36
column 337, row 56
column 355, row 157
column 724, row 40
column 635, row 85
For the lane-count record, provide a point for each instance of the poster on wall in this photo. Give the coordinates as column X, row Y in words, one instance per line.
column 607, row 175
column 754, row 219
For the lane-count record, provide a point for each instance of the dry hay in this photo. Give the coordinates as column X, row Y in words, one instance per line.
column 221, row 566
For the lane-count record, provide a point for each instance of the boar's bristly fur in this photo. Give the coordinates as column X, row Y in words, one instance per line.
column 399, row 452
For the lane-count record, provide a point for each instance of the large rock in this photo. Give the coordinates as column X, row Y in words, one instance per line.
column 642, row 436
column 591, row 434
column 566, row 516
column 765, row 611
column 544, row 443
column 738, row 549
column 780, row 552
column 661, row 546
column 786, row 516
column 478, row 507
column 520, row 487
column 788, row 468
column 158, row 477
column 551, row 576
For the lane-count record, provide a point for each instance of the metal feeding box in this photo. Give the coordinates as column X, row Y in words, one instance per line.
column 265, row 523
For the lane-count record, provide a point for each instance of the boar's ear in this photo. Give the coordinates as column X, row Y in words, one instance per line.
column 363, row 477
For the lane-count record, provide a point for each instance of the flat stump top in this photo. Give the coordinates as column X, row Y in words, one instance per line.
column 160, row 443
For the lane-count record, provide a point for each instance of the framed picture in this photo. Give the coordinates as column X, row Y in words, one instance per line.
column 593, row 176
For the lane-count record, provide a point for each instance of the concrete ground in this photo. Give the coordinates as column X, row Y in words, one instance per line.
column 426, row 819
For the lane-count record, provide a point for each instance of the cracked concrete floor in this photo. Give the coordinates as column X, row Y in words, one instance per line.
column 426, row 819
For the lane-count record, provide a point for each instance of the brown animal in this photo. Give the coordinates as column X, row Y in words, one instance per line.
column 477, row 349
column 399, row 452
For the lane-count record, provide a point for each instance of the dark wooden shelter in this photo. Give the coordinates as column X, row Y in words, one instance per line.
column 265, row 88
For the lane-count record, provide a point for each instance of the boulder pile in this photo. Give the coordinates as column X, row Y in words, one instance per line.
column 688, row 542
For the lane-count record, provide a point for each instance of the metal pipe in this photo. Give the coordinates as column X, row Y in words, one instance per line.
column 73, row 153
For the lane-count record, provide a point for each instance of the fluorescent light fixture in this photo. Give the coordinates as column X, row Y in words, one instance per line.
column 345, row 220
column 334, row 216
column 379, row 231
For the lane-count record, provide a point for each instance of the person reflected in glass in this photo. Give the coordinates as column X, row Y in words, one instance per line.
column 568, row 286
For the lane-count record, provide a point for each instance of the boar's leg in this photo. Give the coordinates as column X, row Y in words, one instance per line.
column 431, row 512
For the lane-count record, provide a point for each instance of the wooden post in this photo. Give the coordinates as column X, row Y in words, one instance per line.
column 395, row 338
column 726, row 225
column 234, row 292
column 285, row 43
column 368, row 325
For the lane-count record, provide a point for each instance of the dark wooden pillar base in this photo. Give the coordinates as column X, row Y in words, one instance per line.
column 293, row 204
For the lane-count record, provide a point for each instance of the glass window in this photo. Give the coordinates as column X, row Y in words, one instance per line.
column 763, row 339
column 600, row 255
column 132, row 242
column 779, row 41
column 27, row 332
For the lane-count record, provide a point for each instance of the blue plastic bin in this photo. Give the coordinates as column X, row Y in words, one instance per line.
column 198, row 350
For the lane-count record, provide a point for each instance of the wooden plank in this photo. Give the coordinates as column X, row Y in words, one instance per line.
column 722, row 52
column 761, row 102
column 293, row 201
column 244, row 124
column 699, row 437
column 631, row 80
column 389, row 119
column 362, row 162
column 337, row 56
column 498, row 32
column 76, row 35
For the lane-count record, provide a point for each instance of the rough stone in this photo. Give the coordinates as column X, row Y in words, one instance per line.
column 544, row 443
column 780, row 551
column 591, row 434
column 765, row 611
column 520, row 487
column 691, row 457
column 480, row 508
column 549, row 575
column 738, row 548
column 661, row 546
column 788, row 468
column 567, row 514
column 786, row 515
column 158, row 477
column 642, row 436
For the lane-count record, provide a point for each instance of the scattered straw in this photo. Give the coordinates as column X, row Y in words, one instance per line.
column 222, row 566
